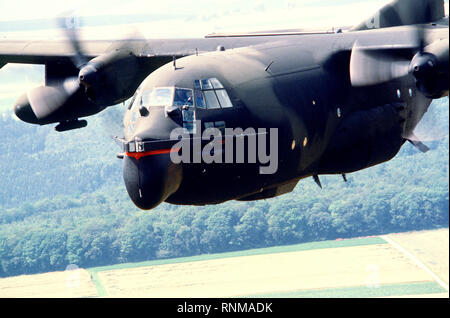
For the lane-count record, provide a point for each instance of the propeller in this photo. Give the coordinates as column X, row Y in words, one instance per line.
column 106, row 80
column 372, row 67
column 69, row 25
column 429, row 65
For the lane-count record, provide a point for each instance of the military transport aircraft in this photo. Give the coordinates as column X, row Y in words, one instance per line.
column 202, row 109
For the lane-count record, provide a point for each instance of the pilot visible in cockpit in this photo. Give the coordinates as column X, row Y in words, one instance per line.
column 183, row 97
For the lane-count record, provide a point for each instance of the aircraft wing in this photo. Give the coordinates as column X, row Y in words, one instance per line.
column 44, row 51
column 41, row 51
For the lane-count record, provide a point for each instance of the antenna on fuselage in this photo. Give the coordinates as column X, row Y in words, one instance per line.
column 317, row 180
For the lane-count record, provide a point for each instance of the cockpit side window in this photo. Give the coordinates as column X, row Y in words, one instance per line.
column 215, row 95
column 211, row 100
column 145, row 100
column 224, row 99
column 135, row 100
column 132, row 115
column 206, row 84
column 215, row 83
column 132, row 101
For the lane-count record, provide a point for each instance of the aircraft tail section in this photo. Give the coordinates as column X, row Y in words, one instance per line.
column 404, row 12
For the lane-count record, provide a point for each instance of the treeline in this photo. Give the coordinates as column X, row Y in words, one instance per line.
column 62, row 201
column 37, row 163
column 105, row 228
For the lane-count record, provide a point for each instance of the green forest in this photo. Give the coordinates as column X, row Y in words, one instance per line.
column 62, row 201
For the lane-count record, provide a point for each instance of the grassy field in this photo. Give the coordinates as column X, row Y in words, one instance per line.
column 363, row 267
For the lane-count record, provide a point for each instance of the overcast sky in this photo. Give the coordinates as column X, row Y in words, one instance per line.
column 183, row 18
column 27, row 9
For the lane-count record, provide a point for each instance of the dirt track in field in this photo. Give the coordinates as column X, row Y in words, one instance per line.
column 431, row 247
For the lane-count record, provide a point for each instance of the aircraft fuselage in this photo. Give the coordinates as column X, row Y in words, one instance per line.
column 299, row 86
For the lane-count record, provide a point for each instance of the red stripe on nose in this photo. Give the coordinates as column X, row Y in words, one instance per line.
column 139, row 155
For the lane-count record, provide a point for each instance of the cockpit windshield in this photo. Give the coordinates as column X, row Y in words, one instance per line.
column 162, row 96
column 207, row 94
column 165, row 96
column 183, row 97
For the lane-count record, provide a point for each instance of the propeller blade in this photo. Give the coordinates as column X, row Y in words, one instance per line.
column 372, row 67
column 431, row 126
column 69, row 25
column 45, row 100
column 426, row 123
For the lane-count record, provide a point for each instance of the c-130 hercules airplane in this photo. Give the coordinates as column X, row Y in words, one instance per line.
column 203, row 110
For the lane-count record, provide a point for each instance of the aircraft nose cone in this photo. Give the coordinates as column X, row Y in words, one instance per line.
column 151, row 179
column 23, row 110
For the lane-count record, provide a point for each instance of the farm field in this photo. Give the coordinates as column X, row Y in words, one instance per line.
column 397, row 265
column 67, row 284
